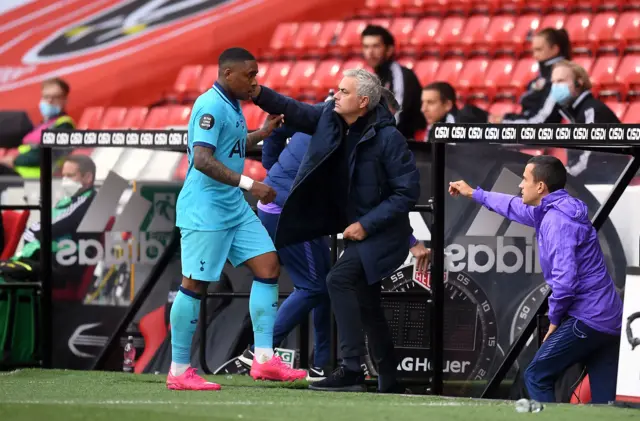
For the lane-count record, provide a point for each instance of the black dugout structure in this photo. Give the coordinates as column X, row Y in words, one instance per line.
column 621, row 139
column 611, row 138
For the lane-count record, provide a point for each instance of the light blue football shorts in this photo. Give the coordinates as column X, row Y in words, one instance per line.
column 204, row 253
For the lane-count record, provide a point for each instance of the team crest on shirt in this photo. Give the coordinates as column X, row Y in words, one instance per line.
column 538, row 85
column 206, row 122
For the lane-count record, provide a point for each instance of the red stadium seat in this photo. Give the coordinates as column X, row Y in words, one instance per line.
column 135, row 118
column 422, row 39
column 603, row 75
column 407, row 62
column 628, row 76
column 586, row 62
column 601, row 31
column 555, row 21
column 402, row 30
column 525, row 71
column 14, row 223
column 157, row 118
column 276, row 77
column 306, row 38
column 299, row 80
column 282, row 39
column 254, row 170
column 91, row 118
column 619, row 108
column 178, row 115
column 349, row 40
column 449, row 71
column 327, row 77
column 208, row 78
column 626, row 34
column 632, row 116
column 426, row 71
column 327, row 38
column 354, row 63
column 449, row 34
column 253, row 115
column 525, row 27
column 498, row 37
column 188, row 79
column 578, row 26
column 113, row 118
column 498, row 77
column 473, row 34
column 472, row 77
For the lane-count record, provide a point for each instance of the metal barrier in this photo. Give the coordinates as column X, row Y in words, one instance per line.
column 43, row 357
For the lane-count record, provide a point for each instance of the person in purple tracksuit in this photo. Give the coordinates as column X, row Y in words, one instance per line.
column 585, row 310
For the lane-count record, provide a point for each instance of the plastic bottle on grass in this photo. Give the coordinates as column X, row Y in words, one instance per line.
column 526, row 405
column 129, row 356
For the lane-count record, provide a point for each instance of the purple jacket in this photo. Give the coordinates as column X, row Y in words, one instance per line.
column 571, row 259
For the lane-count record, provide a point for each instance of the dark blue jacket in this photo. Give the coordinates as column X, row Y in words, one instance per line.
column 382, row 185
column 282, row 160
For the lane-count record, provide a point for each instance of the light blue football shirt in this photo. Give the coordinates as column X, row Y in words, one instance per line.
column 205, row 204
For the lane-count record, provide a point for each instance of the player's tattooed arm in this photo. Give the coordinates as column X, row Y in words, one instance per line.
column 272, row 122
column 206, row 163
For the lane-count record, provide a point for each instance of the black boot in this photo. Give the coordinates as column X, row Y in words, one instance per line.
column 341, row 380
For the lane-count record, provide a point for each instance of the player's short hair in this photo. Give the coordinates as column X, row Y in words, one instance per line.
column 390, row 98
column 367, row 84
column 61, row 83
column 444, row 89
column 550, row 170
column 379, row 31
column 234, row 55
column 85, row 164
column 580, row 74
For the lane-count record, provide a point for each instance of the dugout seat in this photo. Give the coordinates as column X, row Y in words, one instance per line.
column 402, row 29
column 14, row 222
column 472, row 77
column 525, row 71
column 354, row 63
column 305, row 38
column 156, row 119
column 91, row 118
column 628, row 76
column 208, row 78
column 475, row 29
column 178, row 115
column 553, row 20
column 407, row 62
column 113, row 118
column 422, row 38
column 601, row 30
column 327, row 76
column 626, row 35
column 349, row 40
column 449, row 71
column 276, row 77
column 327, row 38
column 426, row 71
column 584, row 61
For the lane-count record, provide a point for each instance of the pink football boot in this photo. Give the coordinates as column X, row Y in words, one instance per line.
column 275, row 370
column 189, row 380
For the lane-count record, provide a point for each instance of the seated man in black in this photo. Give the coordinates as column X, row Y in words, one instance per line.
column 78, row 176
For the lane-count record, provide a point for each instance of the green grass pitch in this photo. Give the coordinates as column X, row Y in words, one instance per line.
column 50, row 395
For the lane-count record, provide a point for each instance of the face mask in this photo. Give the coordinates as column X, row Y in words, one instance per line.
column 560, row 93
column 70, row 187
column 48, row 110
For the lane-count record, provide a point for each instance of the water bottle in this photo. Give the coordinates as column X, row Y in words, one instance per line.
column 526, row 405
column 129, row 356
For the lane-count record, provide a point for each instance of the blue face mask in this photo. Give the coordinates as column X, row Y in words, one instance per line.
column 48, row 110
column 560, row 93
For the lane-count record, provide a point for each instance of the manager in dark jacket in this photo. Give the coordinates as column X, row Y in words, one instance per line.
column 357, row 177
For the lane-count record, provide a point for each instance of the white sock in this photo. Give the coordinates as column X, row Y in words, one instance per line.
column 263, row 354
column 179, row 369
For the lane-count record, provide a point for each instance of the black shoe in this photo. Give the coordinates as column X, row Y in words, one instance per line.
column 246, row 358
column 341, row 380
column 316, row 374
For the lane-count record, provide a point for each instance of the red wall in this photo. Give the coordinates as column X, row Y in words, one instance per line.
column 141, row 77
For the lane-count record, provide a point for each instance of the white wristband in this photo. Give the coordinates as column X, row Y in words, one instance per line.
column 245, row 182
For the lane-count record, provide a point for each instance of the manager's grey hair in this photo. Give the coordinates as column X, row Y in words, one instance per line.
column 367, row 84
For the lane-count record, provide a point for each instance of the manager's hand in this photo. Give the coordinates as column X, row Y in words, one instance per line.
column 460, row 188
column 354, row 232
column 422, row 255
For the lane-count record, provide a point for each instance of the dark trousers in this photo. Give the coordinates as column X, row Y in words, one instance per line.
column 308, row 264
column 572, row 343
column 357, row 309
